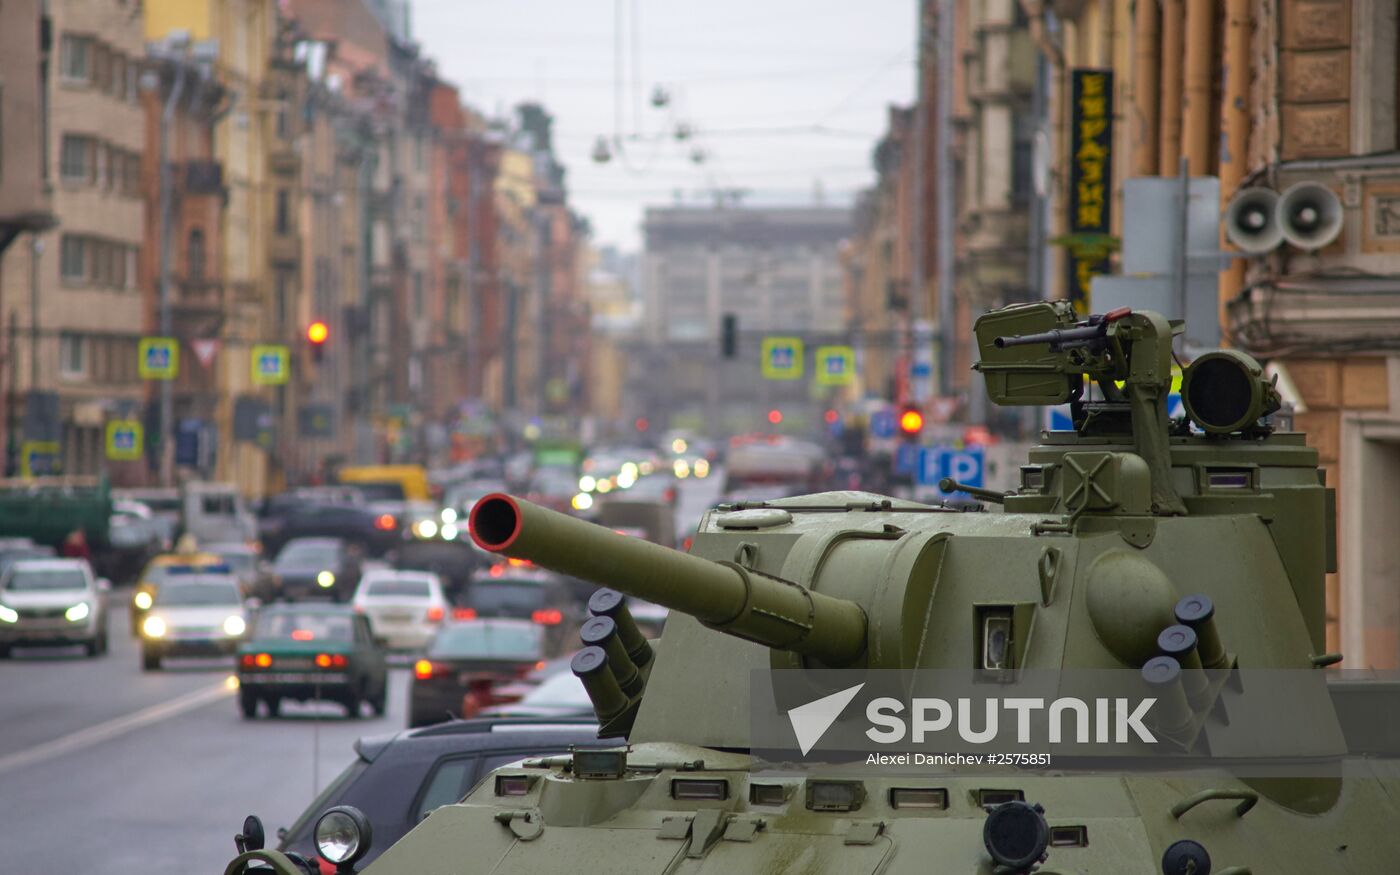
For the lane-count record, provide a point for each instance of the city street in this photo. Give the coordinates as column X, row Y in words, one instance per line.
column 108, row 768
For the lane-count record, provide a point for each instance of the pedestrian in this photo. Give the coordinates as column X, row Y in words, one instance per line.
column 75, row 546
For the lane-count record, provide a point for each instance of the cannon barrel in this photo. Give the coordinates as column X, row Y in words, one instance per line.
column 1054, row 337
column 722, row 595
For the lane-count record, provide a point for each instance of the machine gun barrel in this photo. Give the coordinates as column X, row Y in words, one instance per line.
column 1056, row 337
column 722, row 595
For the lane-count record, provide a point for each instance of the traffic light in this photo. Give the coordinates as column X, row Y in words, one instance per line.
column 911, row 420
column 316, row 335
column 728, row 335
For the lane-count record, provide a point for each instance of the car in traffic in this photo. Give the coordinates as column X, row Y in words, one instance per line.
column 453, row 561
column 14, row 549
column 559, row 695
column 405, row 608
column 195, row 615
column 310, row 652
column 161, row 569
column 315, row 568
column 53, row 601
column 246, row 564
column 465, row 661
column 377, row 530
column 398, row 780
column 515, row 591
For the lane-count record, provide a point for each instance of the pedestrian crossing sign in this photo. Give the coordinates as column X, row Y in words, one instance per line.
column 836, row 365
column 782, row 358
column 270, row 365
column 124, row 440
column 158, row 358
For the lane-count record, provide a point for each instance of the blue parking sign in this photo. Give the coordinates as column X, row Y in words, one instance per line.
column 965, row 466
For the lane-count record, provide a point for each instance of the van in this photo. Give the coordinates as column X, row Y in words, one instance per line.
column 388, row 482
column 215, row 512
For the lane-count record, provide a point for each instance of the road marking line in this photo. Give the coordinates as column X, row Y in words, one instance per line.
column 110, row 729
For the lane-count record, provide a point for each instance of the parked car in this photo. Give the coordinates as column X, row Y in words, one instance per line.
column 527, row 593
column 466, row 660
column 53, row 601
column 161, row 569
column 196, row 615
column 308, row 567
column 404, row 608
column 311, row 652
column 397, row 780
column 560, row 695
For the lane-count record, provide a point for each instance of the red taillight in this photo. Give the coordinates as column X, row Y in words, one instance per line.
column 384, row 522
column 686, row 544
column 263, row 660
column 423, row 669
column 331, row 660
column 435, row 614
column 303, row 635
column 464, row 613
column 248, row 660
column 548, row 617
column 497, row 570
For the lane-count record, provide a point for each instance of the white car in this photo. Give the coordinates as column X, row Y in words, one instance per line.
column 193, row 615
column 404, row 608
column 53, row 601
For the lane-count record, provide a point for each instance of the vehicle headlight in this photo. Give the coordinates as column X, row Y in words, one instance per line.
column 153, row 627
column 449, row 516
column 325, row 579
column 587, row 483
column 142, row 600
column 78, row 612
column 425, row 529
column 582, row 501
column 234, row 626
column 342, row 835
column 449, row 531
column 8, row 615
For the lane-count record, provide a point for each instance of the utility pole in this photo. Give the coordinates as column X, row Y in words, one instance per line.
column 36, row 249
column 360, row 352
column 947, row 192
column 919, row 384
column 167, row 202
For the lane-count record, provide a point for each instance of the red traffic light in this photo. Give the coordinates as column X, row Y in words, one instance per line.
column 911, row 420
column 832, row 416
column 642, row 424
column 317, row 332
column 775, row 416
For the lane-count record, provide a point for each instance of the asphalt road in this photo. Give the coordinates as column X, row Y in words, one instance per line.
column 104, row 767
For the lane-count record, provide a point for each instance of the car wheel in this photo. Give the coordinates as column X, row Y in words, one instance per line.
column 91, row 647
column 248, row 704
column 102, row 642
column 352, row 703
column 380, row 703
column 274, row 705
column 150, row 661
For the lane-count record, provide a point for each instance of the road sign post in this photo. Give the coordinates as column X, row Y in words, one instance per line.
column 158, row 358
column 125, row 438
column 782, row 358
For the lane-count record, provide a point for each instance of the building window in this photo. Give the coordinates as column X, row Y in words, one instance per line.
column 76, row 164
column 76, row 58
column 71, row 359
column 419, row 304
column 118, row 83
column 129, row 272
column 73, row 258
column 284, row 211
column 194, row 257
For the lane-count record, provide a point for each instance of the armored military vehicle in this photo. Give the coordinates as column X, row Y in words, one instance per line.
column 1182, row 552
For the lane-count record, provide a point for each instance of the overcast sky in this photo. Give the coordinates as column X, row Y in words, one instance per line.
column 784, row 95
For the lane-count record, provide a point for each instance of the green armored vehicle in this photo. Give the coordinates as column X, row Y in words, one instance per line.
column 1185, row 554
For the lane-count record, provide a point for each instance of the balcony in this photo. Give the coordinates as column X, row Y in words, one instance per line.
column 283, row 160
column 284, row 250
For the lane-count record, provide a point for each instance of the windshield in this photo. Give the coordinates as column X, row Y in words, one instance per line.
column 488, row 641
column 383, row 491
column 505, row 596
column 303, row 555
column 35, row 580
column 238, row 561
column 289, row 626
column 190, row 594
column 561, row 689
column 416, row 588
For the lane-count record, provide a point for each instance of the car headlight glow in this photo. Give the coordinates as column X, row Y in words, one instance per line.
column 235, row 626
column 8, row 615
column 342, row 835
column 449, row 516
column 325, row 580
column 449, row 531
column 626, row 480
column 78, row 612
column 702, row 468
column 425, row 529
column 142, row 600
column 153, row 627
column 582, row 501
column 587, row 483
